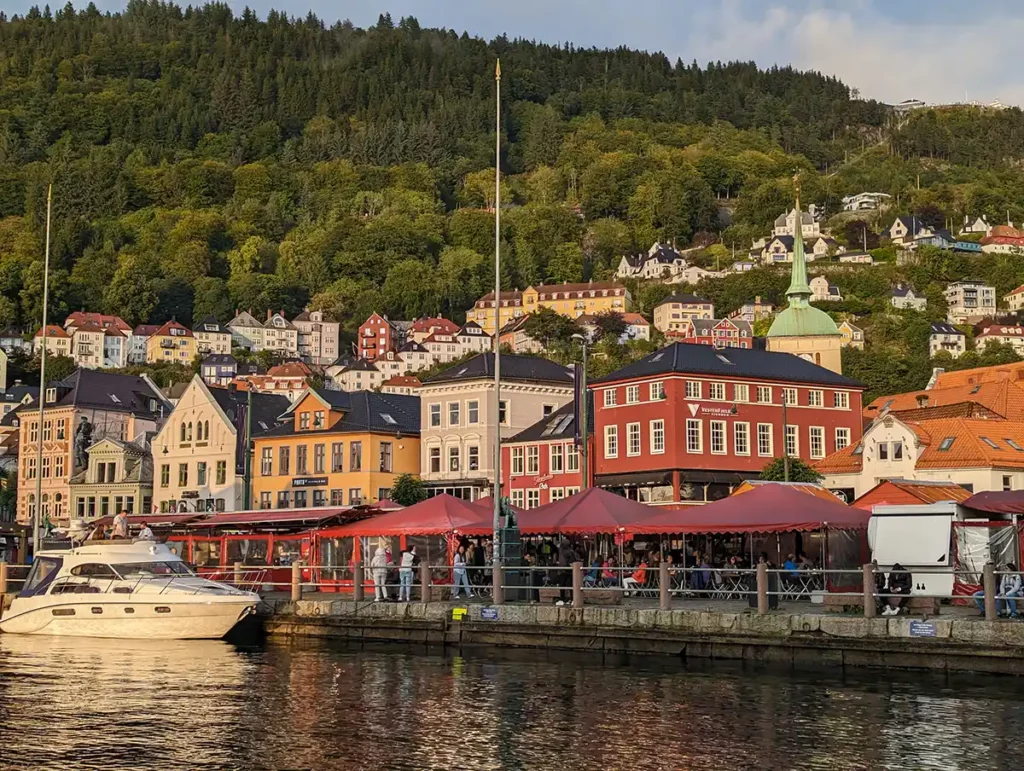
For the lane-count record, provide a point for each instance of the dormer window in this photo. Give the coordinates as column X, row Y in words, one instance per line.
column 51, row 395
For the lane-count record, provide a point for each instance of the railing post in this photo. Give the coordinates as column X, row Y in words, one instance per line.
column 296, row 581
column 664, row 586
column 498, row 584
column 577, row 584
column 870, row 602
column 989, row 582
column 424, row 582
column 762, row 588
column 238, row 573
column 3, row 578
column 357, row 581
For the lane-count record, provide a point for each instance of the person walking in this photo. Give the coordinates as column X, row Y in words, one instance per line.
column 379, row 566
column 459, row 573
column 405, row 575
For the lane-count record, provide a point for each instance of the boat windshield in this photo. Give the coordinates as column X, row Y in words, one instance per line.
column 151, row 569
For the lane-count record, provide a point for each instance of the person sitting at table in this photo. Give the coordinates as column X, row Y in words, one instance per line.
column 608, row 574
column 593, row 575
column 635, row 581
column 790, row 566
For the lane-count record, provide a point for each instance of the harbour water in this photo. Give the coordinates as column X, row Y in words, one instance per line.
column 70, row 704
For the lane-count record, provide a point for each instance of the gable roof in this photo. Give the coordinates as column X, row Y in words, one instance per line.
column 290, row 369
column 362, row 411
column 244, row 319
column 266, row 408
column 53, row 330
column 945, row 328
column 210, row 325
column 686, row 298
column 95, row 388
column 145, row 330
column 730, row 362
column 513, row 367
column 902, row 290
column 165, row 329
column 558, row 426
column 220, row 360
column 103, row 320
column 1004, row 398
column 405, row 381
column 996, row 372
column 269, row 324
column 907, row 491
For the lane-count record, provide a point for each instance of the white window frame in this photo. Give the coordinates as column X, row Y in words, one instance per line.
column 790, row 397
column 720, row 427
column 791, row 432
column 471, row 407
column 657, row 437
column 518, row 498
column 764, row 391
column 694, row 389
column 841, row 400
column 699, row 425
column 532, row 498
column 816, row 434
column 632, row 394
column 716, row 391
column 611, row 441
column 556, row 450
column 741, row 438
column 518, row 464
column 434, row 415
column 556, row 493
column 633, row 438
column 815, row 398
column 458, row 414
column 533, row 460
column 762, row 433
column 572, row 458
column 842, row 438
column 610, row 397
column 656, row 391
column 741, row 392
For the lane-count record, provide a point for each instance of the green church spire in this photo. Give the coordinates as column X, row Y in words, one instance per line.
column 799, row 292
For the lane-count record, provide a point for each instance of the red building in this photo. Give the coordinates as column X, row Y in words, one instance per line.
column 377, row 337
column 722, row 333
column 690, row 422
column 542, row 463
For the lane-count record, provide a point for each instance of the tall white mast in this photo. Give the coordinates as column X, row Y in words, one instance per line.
column 36, row 518
column 496, row 547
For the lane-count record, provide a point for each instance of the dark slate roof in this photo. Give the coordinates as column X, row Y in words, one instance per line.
column 560, row 424
column 366, row 411
column 266, row 408
column 360, row 364
column 513, row 367
column 944, row 328
column 220, row 360
column 210, row 324
column 734, row 362
column 94, row 388
column 786, row 241
column 684, row 298
column 11, row 418
column 412, row 347
column 902, row 290
column 16, row 393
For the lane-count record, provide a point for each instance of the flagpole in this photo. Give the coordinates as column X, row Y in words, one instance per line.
column 496, row 551
column 36, row 518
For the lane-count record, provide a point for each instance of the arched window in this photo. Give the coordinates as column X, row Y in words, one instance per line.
column 199, row 431
column 182, row 431
column 206, row 430
column 188, row 434
column 817, row 358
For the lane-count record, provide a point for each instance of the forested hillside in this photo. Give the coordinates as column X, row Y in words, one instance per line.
column 203, row 162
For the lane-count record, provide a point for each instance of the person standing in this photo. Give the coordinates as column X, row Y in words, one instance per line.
column 379, row 566
column 405, row 575
column 459, row 573
column 119, row 528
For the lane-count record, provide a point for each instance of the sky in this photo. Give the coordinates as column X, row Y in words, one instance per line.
column 936, row 50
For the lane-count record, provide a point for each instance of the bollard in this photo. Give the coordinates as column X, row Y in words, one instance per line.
column 238, row 573
column 3, row 578
column 357, row 582
column 664, row 586
column 989, row 584
column 498, row 584
column 296, row 581
column 870, row 601
column 577, row 584
column 424, row 582
column 762, row 589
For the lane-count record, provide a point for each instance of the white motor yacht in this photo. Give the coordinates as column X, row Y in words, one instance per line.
column 137, row 590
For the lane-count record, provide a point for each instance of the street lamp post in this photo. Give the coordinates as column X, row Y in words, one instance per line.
column 496, row 552
column 37, row 508
column 584, row 434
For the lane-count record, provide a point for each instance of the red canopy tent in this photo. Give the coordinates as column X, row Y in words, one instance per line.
column 591, row 511
column 440, row 514
column 765, row 509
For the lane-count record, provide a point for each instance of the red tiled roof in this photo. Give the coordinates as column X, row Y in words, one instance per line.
column 995, row 373
column 168, row 326
column 53, row 330
column 403, row 380
column 104, row 320
column 906, row 491
column 1003, row 397
column 290, row 369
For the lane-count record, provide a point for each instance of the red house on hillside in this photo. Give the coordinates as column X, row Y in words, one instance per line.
column 690, row 422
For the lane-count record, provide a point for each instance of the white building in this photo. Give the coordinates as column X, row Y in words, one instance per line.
column 1015, row 299
column 319, row 338
column 978, row 225
column 212, row 336
column 823, row 291
column 246, row 331
column 357, row 375
column 866, row 201
column 946, row 337
column 969, row 301
column 660, row 262
column 1001, row 333
column 903, row 296
column 785, row 225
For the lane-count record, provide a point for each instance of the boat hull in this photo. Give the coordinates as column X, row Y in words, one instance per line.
column 141, row 619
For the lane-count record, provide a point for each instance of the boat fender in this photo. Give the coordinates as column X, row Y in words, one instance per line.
column 316, row 610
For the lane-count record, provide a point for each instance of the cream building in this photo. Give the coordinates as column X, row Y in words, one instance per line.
column 58, row 342
column 572, row 300
column 197, row 460
column 458, row 432
column 211, row 336
column 319, row 338
column 119, row 478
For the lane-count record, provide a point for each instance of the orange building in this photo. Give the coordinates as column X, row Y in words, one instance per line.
column 336, row 449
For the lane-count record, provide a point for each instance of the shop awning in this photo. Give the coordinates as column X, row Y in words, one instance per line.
column 765, row 509
column 276, row 518
column 591, row 511
column 440, row 514
column 1011, row 502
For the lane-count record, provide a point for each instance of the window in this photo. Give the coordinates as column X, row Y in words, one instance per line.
column 609, row 397
column 518, row 498
column 741, row 438
column 532, row 499
column 33, row 431
column 556, row 493
column 222, row 472
column 632, row 394
column 764, row 440
column 789, row 396
column 319, row 458
column 817, row 434
column 201, row 473
column 718, row 446
column 694, row 436
column 284, row 499
column 533, row 460
column 300, row 499
column 337, row 456
column 946, row 443
column 657, row 391
column 717, row 392
column 435, row 460
column 990, row 443
column 165, row 475
column 518, row 456
column 793, row 441
column 473, row 458
column 1007, row 483
column 741, row 392
column 284, row 461
column 692, row 389
column 815, row 398
column 355, row 456
column 435, row 415
column 58, row 467
column 301, row 460
column 47, row 430
column 503, row 412
column 473, row 413
column 572, row 458
column 318, row 419
column 453, row 413
column 556, row 457
column 337, row 497
column 764, row 394
column 46, row 468
column 657, row 437
column 897, row 450
column 303, row 421
column 883, row 451
column 632, row 439
column 1014, row 445
column 60, row 429
column 385, row 457
column 182, row 475
column 267, row 461
column 611, row 441
column 842, row 438
column 841, row 400
column 546, row 410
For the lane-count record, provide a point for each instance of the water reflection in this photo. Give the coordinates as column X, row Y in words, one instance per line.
column 109, row 704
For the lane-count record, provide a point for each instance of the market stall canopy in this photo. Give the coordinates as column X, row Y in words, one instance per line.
column 591, row 511
column 440, row 514
column 765, row 509
column 1010, row 502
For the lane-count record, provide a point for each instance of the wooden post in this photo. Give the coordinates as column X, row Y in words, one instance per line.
column 870, row 601
column 357, row 581
column 238, row 573
column 989, row 583
column 498, row 584
column 296, row 581
column 664, row 586
column 424, row 582
column 3, row 578
column 577, row 584
column 762, row 588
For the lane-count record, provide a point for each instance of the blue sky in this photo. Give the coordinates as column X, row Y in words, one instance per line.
column 936, row 50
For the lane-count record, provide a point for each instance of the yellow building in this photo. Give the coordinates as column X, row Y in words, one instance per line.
column 337, row 449
column 172, row 342
column 572, row 300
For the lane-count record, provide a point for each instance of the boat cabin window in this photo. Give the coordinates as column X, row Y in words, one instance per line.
column 43, row 571
column 93, row 570
column 150, row 569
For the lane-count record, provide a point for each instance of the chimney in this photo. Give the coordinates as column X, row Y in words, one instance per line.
column 268, row 314
column 757, row 300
